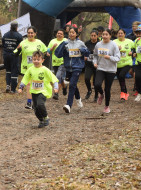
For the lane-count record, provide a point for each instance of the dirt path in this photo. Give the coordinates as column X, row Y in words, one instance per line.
column 82, row 150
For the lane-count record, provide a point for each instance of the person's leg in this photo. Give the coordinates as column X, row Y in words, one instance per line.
column 138, row 82
column 56, row 96
column 73, row 90
column 29, row 97
column 94, row 77
column 88, row 75
column 109, row 78
column 7, row 66
column 14, row 73
column 100, row 75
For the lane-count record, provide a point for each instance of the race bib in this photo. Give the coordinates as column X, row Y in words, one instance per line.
column 103, row 51
column 37, row 85
column 90, row 58
column 29, row 59
column 139, row 49
column 74, row 53
column 123, row 53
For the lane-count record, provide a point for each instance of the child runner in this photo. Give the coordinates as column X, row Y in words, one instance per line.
column 106, row 56
column 40, row 78
column 73, row 51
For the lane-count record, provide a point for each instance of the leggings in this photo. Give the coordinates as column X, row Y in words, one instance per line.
column 121, row 73
column 138, row 78
column 108, row 77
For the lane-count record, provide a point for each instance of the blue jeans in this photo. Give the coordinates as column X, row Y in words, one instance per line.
column 73, row 90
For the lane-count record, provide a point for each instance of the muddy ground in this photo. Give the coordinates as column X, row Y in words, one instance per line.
column 78, row 151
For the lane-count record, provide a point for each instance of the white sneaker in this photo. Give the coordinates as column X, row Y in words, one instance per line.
column 138, row 98
column 66, row 82
column 79, row 103
column 66, row 108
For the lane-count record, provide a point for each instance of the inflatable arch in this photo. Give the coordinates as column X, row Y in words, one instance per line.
column 44, row 12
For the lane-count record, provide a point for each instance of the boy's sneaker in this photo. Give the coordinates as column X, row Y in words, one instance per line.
column 138, row 98
column 100, row 99
column 122, row 96
column 66, row 108
column 64, row 91
column 56, row 96
column 41, row 124
column 106, row 109
column 126, row 96
column 7, row 89
column 66, row 82
column 28, row 106
column 46, row 121
column 88, row 95
column 79, row 103
column 13, row 92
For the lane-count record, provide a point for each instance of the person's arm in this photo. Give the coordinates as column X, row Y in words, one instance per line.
column 95, row 57
column 60, row 49
column 21, row 87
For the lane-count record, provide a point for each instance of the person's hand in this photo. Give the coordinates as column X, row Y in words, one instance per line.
column 95, row 65
column 119, row 47
column 55, row 45
column 55, row 90
column 106, row 56
column 20, row 91
column 134, row 54
column 130, row 53
column 48, row 54
column 85, row 58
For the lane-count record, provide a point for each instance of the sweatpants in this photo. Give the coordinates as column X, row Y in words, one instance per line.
column 39, row 106
column 108, row 78
column 138, row 78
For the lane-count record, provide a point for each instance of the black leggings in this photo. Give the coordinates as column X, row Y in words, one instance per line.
column 39, row 106
column 121, row 73
column 89, row 72
column 138, row 78
column 108, row 77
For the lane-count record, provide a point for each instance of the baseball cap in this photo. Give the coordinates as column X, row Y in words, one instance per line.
column 139, row 28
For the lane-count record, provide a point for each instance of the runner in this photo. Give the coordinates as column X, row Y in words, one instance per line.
column 73, row 51
column 40, row 87
column 90, row 70
column 10, row 41
column 125, row 46
column 58, row 63
column 106, row 56
column 26, row 48
column 137, row 54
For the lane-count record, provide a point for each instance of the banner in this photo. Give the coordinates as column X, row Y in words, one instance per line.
column 110, row 22
column 23, row 24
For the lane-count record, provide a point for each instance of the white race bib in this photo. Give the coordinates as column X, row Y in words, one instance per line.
column 90, row 58
column 37, row 85
column 139, row 49
column 74, row 53
column 29, row 59
column 103, row 51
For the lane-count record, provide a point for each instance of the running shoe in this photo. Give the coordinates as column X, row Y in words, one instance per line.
column 56, row 96
column 138, row 98
column 100, row 99
column 126, row 96
column 7, row 89
column 46, row 121
column 88, row 95
column 64, row 91
column 136, row 93
column 28, row 106
column 106, row 109
column 41, row 124
column 79, row 103
column 122, row 96
column 66, row 108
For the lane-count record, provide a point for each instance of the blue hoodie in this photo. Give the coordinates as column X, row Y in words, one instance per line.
column 73, row 52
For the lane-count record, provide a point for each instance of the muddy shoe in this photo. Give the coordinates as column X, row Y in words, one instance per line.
column 41, row 124
column 46, row 121
column 7, row 89
column 56, row 96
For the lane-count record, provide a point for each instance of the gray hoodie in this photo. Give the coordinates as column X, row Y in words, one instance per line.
column 111, row 49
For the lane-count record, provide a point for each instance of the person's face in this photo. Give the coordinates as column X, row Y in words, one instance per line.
column 37, row 61
column 93, row 36
column 138, row 34
column 99, row 33
column 31, row 34
column 72, row 34
column 134, row 27
column 60, row 35
column 80, row 29
column 67, row 29
column 106, row 36
column 120, row 35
